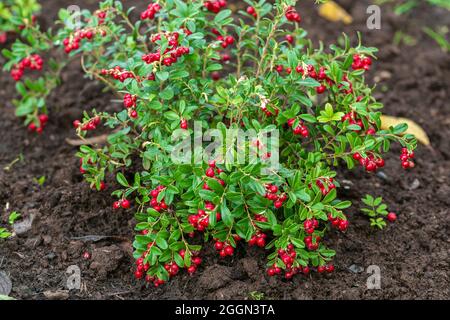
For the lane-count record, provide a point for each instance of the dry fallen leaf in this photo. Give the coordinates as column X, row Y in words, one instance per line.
column 334, row 12
column 413, row 128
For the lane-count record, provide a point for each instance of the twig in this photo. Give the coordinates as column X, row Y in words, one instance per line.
column 94, row 140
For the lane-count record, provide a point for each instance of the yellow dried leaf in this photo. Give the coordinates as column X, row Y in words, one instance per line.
column 413, row 128
column 334, row 12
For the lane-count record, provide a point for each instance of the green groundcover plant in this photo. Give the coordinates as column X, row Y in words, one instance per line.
column 185, row 66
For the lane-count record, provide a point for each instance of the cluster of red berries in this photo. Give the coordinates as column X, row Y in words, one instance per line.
column 215, row 5
column 224, row 39
column 351, row 118
column 171, row 267
column 118, row 73
column 405, row 158
column 123, row 203
column 292, row 15
column 199, row 221
column 151, row 57
column 171, row 54
column 287, row 256
column 328, row 268
column 341, row 224
column 161, row 205
column 268, row 112
column 224, row 248
column 273, row 195
column 361, row 62
column 325, row 185
column 129, row 101
column 309, row 72
column 251, row 11
column 370, row 163
column 90, row 125
column 259, row 239
column 310, row 225
column 279, row 68
column 33, row 62
column 348, row 90
column 142, row 268
column 301, row 129
column 43, row 119
column 101, row 15
column 289, row 273
column 319, row 75
column 312, row 242
column 73, row 43
column 211, row 173
column 149, row 13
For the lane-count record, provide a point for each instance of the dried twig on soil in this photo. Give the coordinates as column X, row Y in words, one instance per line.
column 94, row 140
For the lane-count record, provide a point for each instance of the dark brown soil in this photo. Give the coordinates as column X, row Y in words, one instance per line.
column 412, row 253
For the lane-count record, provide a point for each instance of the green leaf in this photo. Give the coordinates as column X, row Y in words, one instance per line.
column 162, row 75
column 227, row 218
column 161, row 242
column 167, row 93
column 122, row 180
column 308, row 118
column 215, row 185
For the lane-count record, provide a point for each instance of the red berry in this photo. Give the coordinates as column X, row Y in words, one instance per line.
column 191, row 269
column 289, row 38
column 320, row 89
column 116, row 205
column 229, row 250
column 210, row 172
column 133, row 114
column 405, row 164
column 329, row 268
column 379, row 162
column 125, row 204
column 343, row 225
column 261, row 242
column 278, row 204
column 229, row 40
column 274, row 189
column 218, row 245
column 197, row 260
column 371, row 166
column 391, row 217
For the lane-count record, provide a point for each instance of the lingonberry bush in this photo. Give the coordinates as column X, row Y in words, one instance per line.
column 188, row 67
column 15, row 15
column 25, row 63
